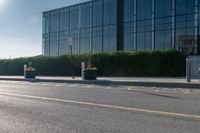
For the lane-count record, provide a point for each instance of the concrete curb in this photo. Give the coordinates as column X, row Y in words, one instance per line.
column 110, row 82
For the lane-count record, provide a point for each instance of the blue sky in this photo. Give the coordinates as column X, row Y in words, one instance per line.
column 21, row 25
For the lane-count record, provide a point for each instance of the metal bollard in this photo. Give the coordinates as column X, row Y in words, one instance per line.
column 199, row 71
column 188, row 69
column 82, row 70
column 25, row 67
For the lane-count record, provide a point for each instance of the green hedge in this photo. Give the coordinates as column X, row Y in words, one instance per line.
column 139, row 63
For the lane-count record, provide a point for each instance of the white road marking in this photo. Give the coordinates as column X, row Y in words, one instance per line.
column 73, row 85
column 57, row 85
column 17, row 82
column 108, row 88
column 90, row 86
column 172, row 91
column 60, row 84
column 107, row 106
column 63, row 84
column 43, row 84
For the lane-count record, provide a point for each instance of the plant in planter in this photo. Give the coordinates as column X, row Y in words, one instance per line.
column 30, row 71
column 90, row 72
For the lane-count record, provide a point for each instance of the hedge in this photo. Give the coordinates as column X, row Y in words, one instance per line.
column 138, row 63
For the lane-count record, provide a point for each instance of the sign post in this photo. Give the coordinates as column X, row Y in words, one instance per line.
column 70, row 42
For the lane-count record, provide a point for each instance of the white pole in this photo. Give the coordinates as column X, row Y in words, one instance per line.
column 25, row 67
column 82, row 69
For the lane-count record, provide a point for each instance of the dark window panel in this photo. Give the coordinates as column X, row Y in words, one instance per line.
column 144, row 9
column 74, row 18
column 163, row 8
column 64, row 19
column 184, row 6
column 128, row 10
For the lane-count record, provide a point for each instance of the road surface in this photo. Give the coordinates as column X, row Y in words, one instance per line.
column 88, row 108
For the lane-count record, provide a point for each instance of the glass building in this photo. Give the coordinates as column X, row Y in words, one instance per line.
column 122, row 25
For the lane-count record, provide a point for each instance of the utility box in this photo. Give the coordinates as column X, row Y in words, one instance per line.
column 194, row 66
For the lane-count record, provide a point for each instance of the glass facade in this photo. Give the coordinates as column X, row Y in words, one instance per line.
column 162, row 24
column 97, row 25
column 88, row 27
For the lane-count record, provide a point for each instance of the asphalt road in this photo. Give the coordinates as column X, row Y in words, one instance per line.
column 81, row 108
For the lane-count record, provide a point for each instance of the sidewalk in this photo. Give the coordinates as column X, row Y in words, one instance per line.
column 134, row 81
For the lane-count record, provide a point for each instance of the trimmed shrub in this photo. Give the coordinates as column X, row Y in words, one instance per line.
column 137, row 63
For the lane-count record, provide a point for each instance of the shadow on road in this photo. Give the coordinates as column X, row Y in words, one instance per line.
column 161, row 95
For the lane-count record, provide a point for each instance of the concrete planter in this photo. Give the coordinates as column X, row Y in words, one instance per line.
column 90, row 74
column 29, row 74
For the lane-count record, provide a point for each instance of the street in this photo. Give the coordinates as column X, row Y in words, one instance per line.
column 43, row 107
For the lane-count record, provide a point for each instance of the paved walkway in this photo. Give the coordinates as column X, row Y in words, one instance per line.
column 136, row 81
column 151, row 79
column 120, row 79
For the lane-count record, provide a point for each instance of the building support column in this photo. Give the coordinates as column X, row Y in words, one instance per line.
column 91, row 28
column 153, row 25
column 103, row 26
column 135, row 25
column 120, row 25
column 173, row 25
column 79, row 29
column 58, row 35
column 196, row 24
